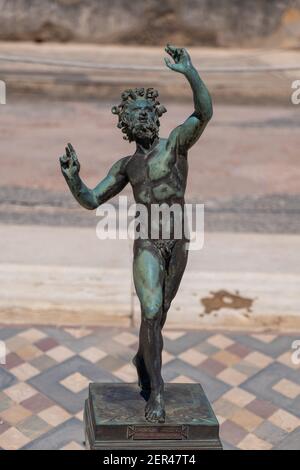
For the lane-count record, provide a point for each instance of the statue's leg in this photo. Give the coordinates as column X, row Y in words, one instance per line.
column 148, row 273
column 174, row 273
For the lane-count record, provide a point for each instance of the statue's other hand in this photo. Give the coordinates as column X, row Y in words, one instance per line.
column 69, row 163
column 182, row 61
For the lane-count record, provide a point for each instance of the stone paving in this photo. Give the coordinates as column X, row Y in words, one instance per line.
column 250, row 379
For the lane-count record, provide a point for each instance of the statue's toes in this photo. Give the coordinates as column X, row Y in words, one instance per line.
column 151, row 417
column 156, row 415
column 160, row 415
column 147, row 411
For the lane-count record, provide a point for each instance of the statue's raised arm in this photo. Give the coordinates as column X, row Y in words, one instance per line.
column 189, row 132
column 111, row 185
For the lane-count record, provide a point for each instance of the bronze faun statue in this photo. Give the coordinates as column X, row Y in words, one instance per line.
column 157, row 172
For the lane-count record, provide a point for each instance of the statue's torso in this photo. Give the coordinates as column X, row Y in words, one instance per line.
column 158, row 176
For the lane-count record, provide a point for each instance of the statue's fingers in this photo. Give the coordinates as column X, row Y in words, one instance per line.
column 168, row 63
column 70, row 146
column 178, row 53
column 170, row 50
column 64, row 162
column 175, row 53
column 184, row 53
column 72, row 151
column 68, row 154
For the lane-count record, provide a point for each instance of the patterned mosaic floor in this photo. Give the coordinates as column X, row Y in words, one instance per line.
column 249, row 378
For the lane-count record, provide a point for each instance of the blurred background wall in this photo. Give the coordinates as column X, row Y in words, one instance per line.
column 248, row 23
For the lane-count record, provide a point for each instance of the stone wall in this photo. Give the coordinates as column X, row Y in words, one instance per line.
column 225, row 23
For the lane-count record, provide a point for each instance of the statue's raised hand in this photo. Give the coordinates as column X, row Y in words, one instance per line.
column 69, row 163
column 182, row 61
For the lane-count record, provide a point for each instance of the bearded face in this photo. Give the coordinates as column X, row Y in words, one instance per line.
column 141, row 120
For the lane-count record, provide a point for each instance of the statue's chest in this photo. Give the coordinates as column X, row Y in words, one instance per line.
column 158, row 177
column 151, row 168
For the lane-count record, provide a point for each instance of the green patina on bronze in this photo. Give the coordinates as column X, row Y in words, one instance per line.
column 157, row 172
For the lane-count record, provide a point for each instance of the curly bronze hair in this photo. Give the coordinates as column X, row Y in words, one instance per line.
column 132, row 94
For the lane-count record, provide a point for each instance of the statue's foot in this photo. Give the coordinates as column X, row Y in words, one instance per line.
column 155, row 408
column 143, row 377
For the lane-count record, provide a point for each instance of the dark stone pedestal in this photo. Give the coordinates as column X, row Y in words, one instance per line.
column 114, row 419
